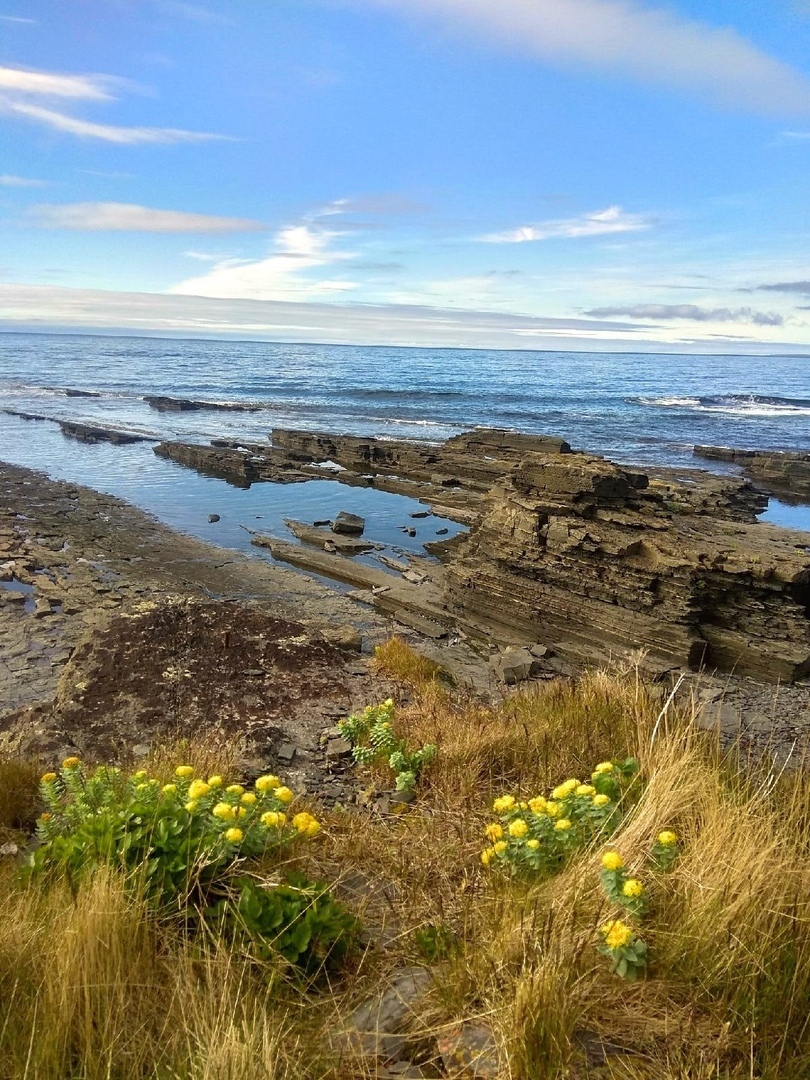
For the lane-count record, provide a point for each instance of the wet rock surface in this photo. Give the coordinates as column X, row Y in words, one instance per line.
column 784, row 472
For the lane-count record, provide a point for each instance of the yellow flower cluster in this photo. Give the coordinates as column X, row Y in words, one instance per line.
column 612, row 860
column 667, row 838
column 617, row 934
column 568, row 805
column 632, row 888
column 306, row 824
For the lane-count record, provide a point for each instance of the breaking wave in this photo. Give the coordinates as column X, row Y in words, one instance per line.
column 733, row 404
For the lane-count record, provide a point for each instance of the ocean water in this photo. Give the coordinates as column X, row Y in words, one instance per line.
column 637, row 409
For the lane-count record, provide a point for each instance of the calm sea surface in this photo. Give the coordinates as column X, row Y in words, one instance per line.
column 634, row 408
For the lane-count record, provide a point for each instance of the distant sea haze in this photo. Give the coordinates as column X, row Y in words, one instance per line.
column 634, row 408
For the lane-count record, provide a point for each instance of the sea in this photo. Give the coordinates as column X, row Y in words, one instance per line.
column 634, row 408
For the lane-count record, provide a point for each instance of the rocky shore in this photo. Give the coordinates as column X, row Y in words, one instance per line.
column 117, row 631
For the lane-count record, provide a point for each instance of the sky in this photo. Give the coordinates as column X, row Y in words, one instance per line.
column 567, row 174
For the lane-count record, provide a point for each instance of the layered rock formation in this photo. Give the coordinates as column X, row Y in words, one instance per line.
column 586, row 557
column 784, row 472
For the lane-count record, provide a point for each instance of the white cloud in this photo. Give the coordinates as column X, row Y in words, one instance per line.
column 6, row 180
column 796, row 134
column 126, row 136
column 599, row 223
column 282, row 275
column 128, row 217
column 631, row 38
column 49, row 84
column 18, row 19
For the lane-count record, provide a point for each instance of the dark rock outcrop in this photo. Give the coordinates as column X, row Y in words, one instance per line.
column 172, row 404
column 579, row 554
column 786, row 473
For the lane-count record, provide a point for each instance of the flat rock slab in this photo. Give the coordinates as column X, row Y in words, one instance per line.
column 376, row 1028
column 349, row 524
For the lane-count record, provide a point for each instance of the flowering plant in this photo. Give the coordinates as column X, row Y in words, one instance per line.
column 537, row 835
column 178, row 844
column 627, row 951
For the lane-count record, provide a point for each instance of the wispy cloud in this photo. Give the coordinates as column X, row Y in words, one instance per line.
column 7, row 180
column 283, row 275
column 599, row 223
column 195, row 12
column 86, row 129
column 795, row 134
column 690, row 312
column 18, row 19
column 18, row 86
column 800, row 287
column 632, row 38
column 128, row 217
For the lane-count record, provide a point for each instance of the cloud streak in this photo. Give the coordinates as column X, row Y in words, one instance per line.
column 802, row 288
column 128, row 217
column 18, row 86
column 600, row 223
column 690, row 312
column 7, row 180
column 632, row 38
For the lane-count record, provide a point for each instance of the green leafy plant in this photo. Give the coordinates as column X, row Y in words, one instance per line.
column 627, row 892
column 539, row 834
column 436, row 941
column 180, row 846
column 626, row 950
column 297, row 918
column 374, row 742
column 665, row 850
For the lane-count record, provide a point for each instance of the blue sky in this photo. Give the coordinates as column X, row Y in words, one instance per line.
column 601, row 174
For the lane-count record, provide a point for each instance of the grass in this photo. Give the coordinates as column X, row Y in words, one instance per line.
column 92, row 987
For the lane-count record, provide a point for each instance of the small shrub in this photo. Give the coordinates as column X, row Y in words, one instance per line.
column 399, row 661
column 627, row 951
column 19, row 793
column 373, row 742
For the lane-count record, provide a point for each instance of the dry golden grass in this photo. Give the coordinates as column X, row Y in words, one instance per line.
column 402, row 664
column 19, row 794
column 92, row 987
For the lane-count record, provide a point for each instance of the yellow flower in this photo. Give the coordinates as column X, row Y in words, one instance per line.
column 301, row 821
column 562, row 825
column 518, row 828
column 603, row 767
column 284, row 795
column 601, row 800
column 224, row 811
column 494, row 831
column 239, row 811
column 45, row 817
column 267, row 783
column 389, row 703
column 234, row 835
column 141, row 774
column 215, row 781
column 191, row 806
column 198, row 788
column 504, row 803
column 533, row 844
column 313, row 828
column 248, row 798
column 169, row 789
column 486, row 856
column 617, row 934
column 666, row 838
column 235, row 789
column 500, row 847
column 612, row 860
column 553, row 809
column 184, row 771
column 272, row 819
column 48, row 778
column 632, row 887
column 585, row 789
column 537, row 805
column 70, row 763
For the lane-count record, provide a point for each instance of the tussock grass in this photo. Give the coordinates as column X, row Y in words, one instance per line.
column 92, row 986
column 402, row 664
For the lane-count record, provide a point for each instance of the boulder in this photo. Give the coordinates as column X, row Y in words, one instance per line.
column 348, row 524
column 514, row 665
